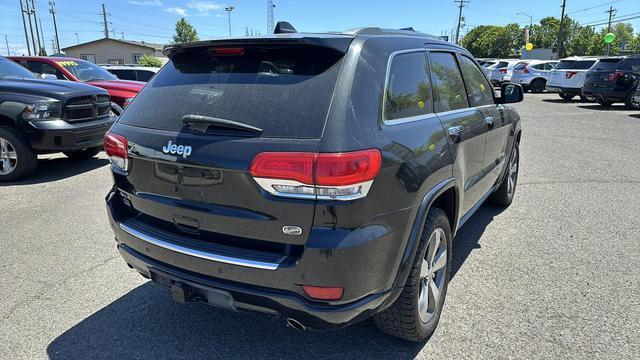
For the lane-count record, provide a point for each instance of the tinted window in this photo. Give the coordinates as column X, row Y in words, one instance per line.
column 285, row 91
column 44, row 68
column 479, row 91
column 124, row 74
column 549, row 66
column 575, row 64
column 632, row 64
column 408, row 90
column 606, row 64
column 539, row 66
column 144, row 75
column 447, row 80
column 502, row 64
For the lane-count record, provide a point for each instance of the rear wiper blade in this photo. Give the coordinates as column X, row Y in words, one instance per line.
column 202, row 123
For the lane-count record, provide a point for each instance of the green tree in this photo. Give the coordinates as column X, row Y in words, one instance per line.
column 185, row 32
column 150, row 61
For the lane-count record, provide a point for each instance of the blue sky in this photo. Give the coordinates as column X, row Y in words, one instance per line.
column 154, row 20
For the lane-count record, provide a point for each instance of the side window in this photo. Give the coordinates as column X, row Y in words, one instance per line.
column 478, row 89
column 447, row 81
column 408, row 90
column 35, row 67
column 125, row 74
column 549, row 66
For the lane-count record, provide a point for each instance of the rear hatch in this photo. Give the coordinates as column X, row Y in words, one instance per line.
column 613, row 73
column 189, row 174
column 570, row 73
column 599, row 75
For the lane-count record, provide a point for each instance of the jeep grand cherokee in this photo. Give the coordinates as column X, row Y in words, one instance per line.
column 317, row 177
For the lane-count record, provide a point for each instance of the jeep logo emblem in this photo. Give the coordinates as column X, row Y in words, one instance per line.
column 171, row 148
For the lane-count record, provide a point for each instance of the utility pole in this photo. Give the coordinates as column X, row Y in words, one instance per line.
column 54, row 46
column 560, row 39
column 24, row 25
column 52, row 10
column 35, row 20
column 270, row 21
column 611, row 12
column 106, row 24
column 33, row 39
column 229, row 9
column 43, row 43
column 461, row 5
column 77, row 38
column 6, row 40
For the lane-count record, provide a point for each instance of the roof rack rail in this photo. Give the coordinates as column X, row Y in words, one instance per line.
column 283, row 27
column 380, row 31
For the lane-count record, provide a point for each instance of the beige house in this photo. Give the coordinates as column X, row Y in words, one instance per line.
column 114, row 51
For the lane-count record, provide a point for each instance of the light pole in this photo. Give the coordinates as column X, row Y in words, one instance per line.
column 229, row 9
column 77, row 38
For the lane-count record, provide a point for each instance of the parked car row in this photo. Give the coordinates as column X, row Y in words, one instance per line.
column 606, row 80
column 57, row 104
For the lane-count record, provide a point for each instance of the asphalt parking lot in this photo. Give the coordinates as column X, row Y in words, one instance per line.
column 557, row 275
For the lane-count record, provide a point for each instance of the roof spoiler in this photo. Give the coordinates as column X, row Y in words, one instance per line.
column 283, row 27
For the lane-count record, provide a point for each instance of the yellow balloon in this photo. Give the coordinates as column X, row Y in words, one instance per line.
column 529, row 46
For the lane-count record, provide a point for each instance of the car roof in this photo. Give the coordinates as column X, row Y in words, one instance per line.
column 45, row 58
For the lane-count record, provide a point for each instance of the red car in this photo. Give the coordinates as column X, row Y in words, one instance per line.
column 121, row 91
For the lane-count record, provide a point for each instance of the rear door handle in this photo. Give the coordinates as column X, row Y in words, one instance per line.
column 455, row 133
column 490, row 121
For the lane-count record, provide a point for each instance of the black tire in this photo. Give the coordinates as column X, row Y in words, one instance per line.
column 566, row 97
column 26, row 159
column 605, row 103
column 503, row 196
column 584, row 98
column 628, row 101
column 402, row 319
column 84, row 154
column 538, row 86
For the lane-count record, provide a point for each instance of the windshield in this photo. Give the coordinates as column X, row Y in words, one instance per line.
column 9, row 69
column 85, row 70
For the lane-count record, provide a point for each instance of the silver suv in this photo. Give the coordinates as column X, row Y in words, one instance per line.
column 533, row 74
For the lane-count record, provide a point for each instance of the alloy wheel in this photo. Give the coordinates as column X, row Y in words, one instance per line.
column 512, row 177
column 432, row 275
column 8, row 157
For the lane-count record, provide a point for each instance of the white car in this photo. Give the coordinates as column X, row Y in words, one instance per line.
column 132, row 72
column 568, row 76
column 533, row 74
column 502, row 71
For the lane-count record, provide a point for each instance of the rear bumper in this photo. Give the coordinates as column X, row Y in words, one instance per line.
column 562, row 89
column 607, row 93
column 366, row 270
column 58, row 135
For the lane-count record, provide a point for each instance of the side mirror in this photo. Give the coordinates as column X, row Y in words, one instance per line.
column 510, row 93
column 47, row 76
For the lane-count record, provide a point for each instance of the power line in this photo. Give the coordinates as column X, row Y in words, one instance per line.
column 594, row 7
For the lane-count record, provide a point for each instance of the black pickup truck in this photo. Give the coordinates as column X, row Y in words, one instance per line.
column 40, row 116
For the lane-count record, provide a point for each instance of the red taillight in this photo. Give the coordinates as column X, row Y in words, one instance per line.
column 227, row 51
column 526, row 71
column 503, row 70
column 116, row 146
column 339, row 176
column 323, row 293
column 616, row 75
column 347, row 168
column 289, row 166
column 570, row 74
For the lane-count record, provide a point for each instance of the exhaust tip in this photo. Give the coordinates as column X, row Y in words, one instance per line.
column 295, row 324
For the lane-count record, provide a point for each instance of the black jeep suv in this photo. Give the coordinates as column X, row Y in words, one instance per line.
column 317, row 177
column 47, row 116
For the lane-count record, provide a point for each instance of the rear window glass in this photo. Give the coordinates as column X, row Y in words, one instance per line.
column 520, row 66
column 502, row 64
column 632, row 64
column 285, row 91
column 606, row 64
column 408, row 89
column 575, row 64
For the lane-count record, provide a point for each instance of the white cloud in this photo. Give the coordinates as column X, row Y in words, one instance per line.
column 177, row 10
column 146, row 2
column 204, row 7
